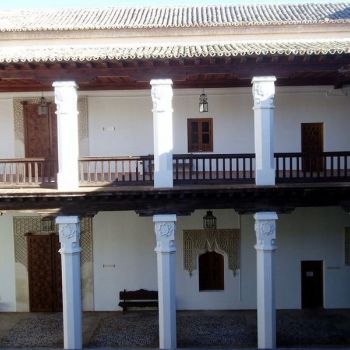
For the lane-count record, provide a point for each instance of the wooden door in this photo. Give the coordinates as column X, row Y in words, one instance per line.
column 312, row 284
column 312, row 146
column 211, row 271
column 44, row 269
column 40, row 132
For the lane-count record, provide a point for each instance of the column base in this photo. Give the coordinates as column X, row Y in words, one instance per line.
column 163, row 179
column 67, row 183
column 265, row 177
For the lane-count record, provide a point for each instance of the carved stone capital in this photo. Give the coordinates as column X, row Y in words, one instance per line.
column 165, row 227
column 69, row 234
column 265, row 229
column 66, row 97
column 264, row 92
column 162, row 94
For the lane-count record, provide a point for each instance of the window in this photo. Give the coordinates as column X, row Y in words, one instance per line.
column 211, row 271
column 200, row 135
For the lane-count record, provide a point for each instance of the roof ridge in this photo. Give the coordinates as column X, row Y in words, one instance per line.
column 139, row 7
column 184, row 16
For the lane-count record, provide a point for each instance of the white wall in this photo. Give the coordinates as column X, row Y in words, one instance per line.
column 127, row 241
column 120, row 122
column 231, row 109
column 7, row 133
column 124, row 256
column 7, row 265
column 120, row 126
column 310, row 105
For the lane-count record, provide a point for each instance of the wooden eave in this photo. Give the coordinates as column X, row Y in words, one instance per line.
column 205, row 72
column 180, row 200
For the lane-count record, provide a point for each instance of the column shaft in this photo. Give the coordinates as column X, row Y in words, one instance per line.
column 67, row 135
column 69, row 234
column 166, row 266
column 265, row 228
column 264, row 111
column 162, row 94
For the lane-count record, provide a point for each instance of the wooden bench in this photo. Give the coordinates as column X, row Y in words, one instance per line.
column 138, row 298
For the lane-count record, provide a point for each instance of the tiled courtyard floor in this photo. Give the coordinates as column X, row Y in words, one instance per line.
column 196, row 329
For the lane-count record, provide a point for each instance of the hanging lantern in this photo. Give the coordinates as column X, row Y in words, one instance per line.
column 203, row 102
column 209, row 220
column 43, row 108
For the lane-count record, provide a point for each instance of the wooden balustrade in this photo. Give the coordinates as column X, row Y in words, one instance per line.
column 188, row 169
column 213, row 168
column 28, row 172
column 116, row 170
column 299, row 167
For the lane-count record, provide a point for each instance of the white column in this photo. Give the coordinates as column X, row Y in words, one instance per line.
column 265, row 229
column 162, row 95
column 264, row 111
column 164, row 226
column 67, row 135
column 69, row 234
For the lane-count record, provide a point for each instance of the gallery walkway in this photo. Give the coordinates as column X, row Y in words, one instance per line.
column 196, row 329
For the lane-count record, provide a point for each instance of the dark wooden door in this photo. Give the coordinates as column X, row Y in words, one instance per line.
column 312, row 146
column 211, row 271
column 311, row 284
column 40, row 132
column 44, row 269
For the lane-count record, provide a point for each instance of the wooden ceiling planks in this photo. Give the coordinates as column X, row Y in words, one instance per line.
column 185, row 72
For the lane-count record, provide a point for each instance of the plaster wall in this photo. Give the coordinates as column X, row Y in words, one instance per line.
column 7, row 265
column 7, row 139
column 124, row 258
column 120, row 123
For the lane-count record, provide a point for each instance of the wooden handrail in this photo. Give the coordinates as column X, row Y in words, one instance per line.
column 28, row 172
column 126, row 170
column 311, row 167
column 213, row 168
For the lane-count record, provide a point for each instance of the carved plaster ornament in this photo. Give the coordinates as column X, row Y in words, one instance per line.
column 162, row 96
column 165, row 235
column 69, row 238
column 67, row 231
column 165, row 229
column 266, row 233
column 264, row 93
column 222, row 241
column 66, row 100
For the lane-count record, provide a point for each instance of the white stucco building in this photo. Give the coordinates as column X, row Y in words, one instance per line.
column 124, row 166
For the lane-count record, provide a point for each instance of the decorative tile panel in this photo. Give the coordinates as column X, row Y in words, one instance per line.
column 27, row 224
column 221, row 240
column 19, row 118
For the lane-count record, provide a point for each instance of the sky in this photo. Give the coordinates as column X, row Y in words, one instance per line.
column 12, row 4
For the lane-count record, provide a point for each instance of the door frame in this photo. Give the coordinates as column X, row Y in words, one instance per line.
column 53, row 147
column 310, row 164
column 54, row 307
column 322, row 266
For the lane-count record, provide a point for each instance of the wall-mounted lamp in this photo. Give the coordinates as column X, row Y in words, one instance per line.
column 43, row 108
column 203, row 102
column 209, row 220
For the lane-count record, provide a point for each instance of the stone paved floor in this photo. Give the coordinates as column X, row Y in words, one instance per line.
column 196, row 329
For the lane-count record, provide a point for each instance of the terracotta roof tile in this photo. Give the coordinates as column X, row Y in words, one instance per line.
column 179, row 16
column 13, row 54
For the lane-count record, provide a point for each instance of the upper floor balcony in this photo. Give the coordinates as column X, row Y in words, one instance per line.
column 188, row 169
column 116, row 139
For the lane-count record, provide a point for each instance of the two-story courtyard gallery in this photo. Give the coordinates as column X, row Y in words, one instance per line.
column 200, row 152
